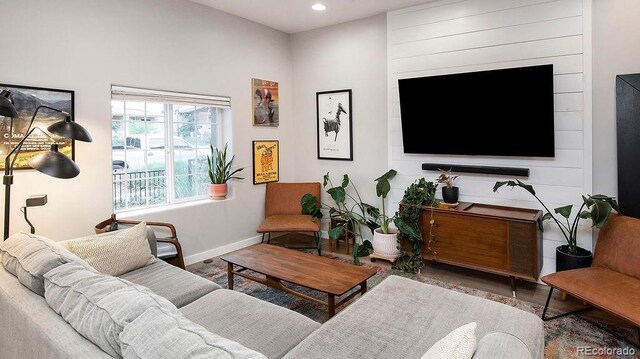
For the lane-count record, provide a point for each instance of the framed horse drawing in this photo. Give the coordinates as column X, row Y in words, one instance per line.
column 334, row 121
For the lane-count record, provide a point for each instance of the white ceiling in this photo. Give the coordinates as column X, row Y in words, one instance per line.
column 296, row 15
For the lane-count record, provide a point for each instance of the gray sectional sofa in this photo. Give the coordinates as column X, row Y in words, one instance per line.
column 399, row 318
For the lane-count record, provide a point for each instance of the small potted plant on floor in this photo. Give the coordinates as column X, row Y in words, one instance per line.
column 597, row 208
column 220, row 172
column 385, row 238
column 449, row 191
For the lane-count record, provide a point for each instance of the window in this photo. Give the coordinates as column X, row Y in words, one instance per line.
column 159, row 144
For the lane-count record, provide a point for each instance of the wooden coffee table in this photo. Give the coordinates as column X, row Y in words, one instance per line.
column 280, row 265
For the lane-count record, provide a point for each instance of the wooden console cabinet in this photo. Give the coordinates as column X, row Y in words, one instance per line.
column 496, row 239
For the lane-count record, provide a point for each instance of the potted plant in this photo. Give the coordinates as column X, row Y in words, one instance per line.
column 449, row 191
column 597, row 208
column 220, row 172
column 385, row 238
column 349, row 214
column 419, row 194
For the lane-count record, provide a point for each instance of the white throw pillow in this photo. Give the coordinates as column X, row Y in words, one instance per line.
column 116, row 254
column 459, row 344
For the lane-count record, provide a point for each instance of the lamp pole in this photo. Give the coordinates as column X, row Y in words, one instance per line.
column 7, row 179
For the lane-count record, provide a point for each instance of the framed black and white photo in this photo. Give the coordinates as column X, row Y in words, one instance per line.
column 335, row 138
column 26, row 99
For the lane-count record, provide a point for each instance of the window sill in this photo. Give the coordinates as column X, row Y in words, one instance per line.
column 170, row 207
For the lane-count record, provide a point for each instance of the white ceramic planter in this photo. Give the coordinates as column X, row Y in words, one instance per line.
column 386, row 244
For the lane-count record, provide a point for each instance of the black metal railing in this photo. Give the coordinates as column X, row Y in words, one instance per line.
column 133, row 189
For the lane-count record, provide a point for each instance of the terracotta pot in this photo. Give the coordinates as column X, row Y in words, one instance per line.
column 218, row 191
column 386, row 244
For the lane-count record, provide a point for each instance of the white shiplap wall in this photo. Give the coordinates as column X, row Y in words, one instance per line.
column 454, row 36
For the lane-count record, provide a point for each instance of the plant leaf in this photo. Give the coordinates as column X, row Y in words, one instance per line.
column 345, row 181
column 336, row 232
column 546, row 216
column 337, row 193
column 600, row 213
column 325, row 180
column 564, row 211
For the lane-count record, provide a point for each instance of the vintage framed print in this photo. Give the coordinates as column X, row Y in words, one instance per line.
column 26, row 100
column 265, row 103
column 334, row 120
column 266, row 161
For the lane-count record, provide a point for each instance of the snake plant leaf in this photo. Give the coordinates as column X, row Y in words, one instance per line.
column 337, row 193
column 345, row 181
column 564, row 211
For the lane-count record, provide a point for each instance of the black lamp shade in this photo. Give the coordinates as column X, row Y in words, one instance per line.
column 6, row 107
column 55, row 164
column 70, row 129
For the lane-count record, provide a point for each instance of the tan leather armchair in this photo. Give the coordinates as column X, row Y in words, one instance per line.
column 612, row 283
column 283, row 211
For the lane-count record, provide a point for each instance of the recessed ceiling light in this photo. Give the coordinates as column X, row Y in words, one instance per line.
column 318, row 7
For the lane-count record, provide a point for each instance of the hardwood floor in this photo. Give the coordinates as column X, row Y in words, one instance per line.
column 535, row 293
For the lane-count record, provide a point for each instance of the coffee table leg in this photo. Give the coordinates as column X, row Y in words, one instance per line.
column 332, row 305
column 363, row 287
column 230, row 275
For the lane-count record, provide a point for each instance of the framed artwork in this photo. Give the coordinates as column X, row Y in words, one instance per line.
column 335, row 139
column 26, row 100
column 265, row 103
column 266, row 161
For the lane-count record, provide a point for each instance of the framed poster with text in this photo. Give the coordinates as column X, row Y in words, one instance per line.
column 266, row 161
column 26, row 100
column 335, row 140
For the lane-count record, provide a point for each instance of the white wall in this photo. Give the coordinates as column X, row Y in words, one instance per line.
column 460, row 36
column 340, row 57
column 176, row 45
column 616, row 36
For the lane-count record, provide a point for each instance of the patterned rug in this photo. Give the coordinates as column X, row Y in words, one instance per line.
column 563, row 336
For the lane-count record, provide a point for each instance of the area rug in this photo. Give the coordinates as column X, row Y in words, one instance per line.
column 563, row 336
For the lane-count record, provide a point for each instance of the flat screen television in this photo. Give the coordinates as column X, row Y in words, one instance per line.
column 505, row 112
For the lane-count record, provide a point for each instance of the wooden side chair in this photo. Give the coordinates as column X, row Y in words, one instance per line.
column 283, row 211
column 166, row 248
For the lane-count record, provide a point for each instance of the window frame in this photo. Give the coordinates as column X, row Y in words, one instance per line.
column 169, row 122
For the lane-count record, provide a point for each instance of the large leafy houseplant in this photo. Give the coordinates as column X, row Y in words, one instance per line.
column 348, row 208
column 597, row 208
column 419, row 194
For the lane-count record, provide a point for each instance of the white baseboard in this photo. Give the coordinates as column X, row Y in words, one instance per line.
column 199, row 257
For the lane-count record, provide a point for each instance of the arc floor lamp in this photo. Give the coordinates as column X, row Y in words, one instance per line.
column 52, row 163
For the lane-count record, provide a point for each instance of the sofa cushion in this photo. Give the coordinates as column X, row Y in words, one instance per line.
column 501, row 346
column 158, row 333
column 175, row 284
column 29, row 257
column 459, row 344
column 120, row 252
column 409, row 318
column 256, row 324
column 98, row 306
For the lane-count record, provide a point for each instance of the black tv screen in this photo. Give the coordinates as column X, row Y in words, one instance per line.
column 505, row 112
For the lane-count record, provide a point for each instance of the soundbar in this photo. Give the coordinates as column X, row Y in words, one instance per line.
column 491, row 170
